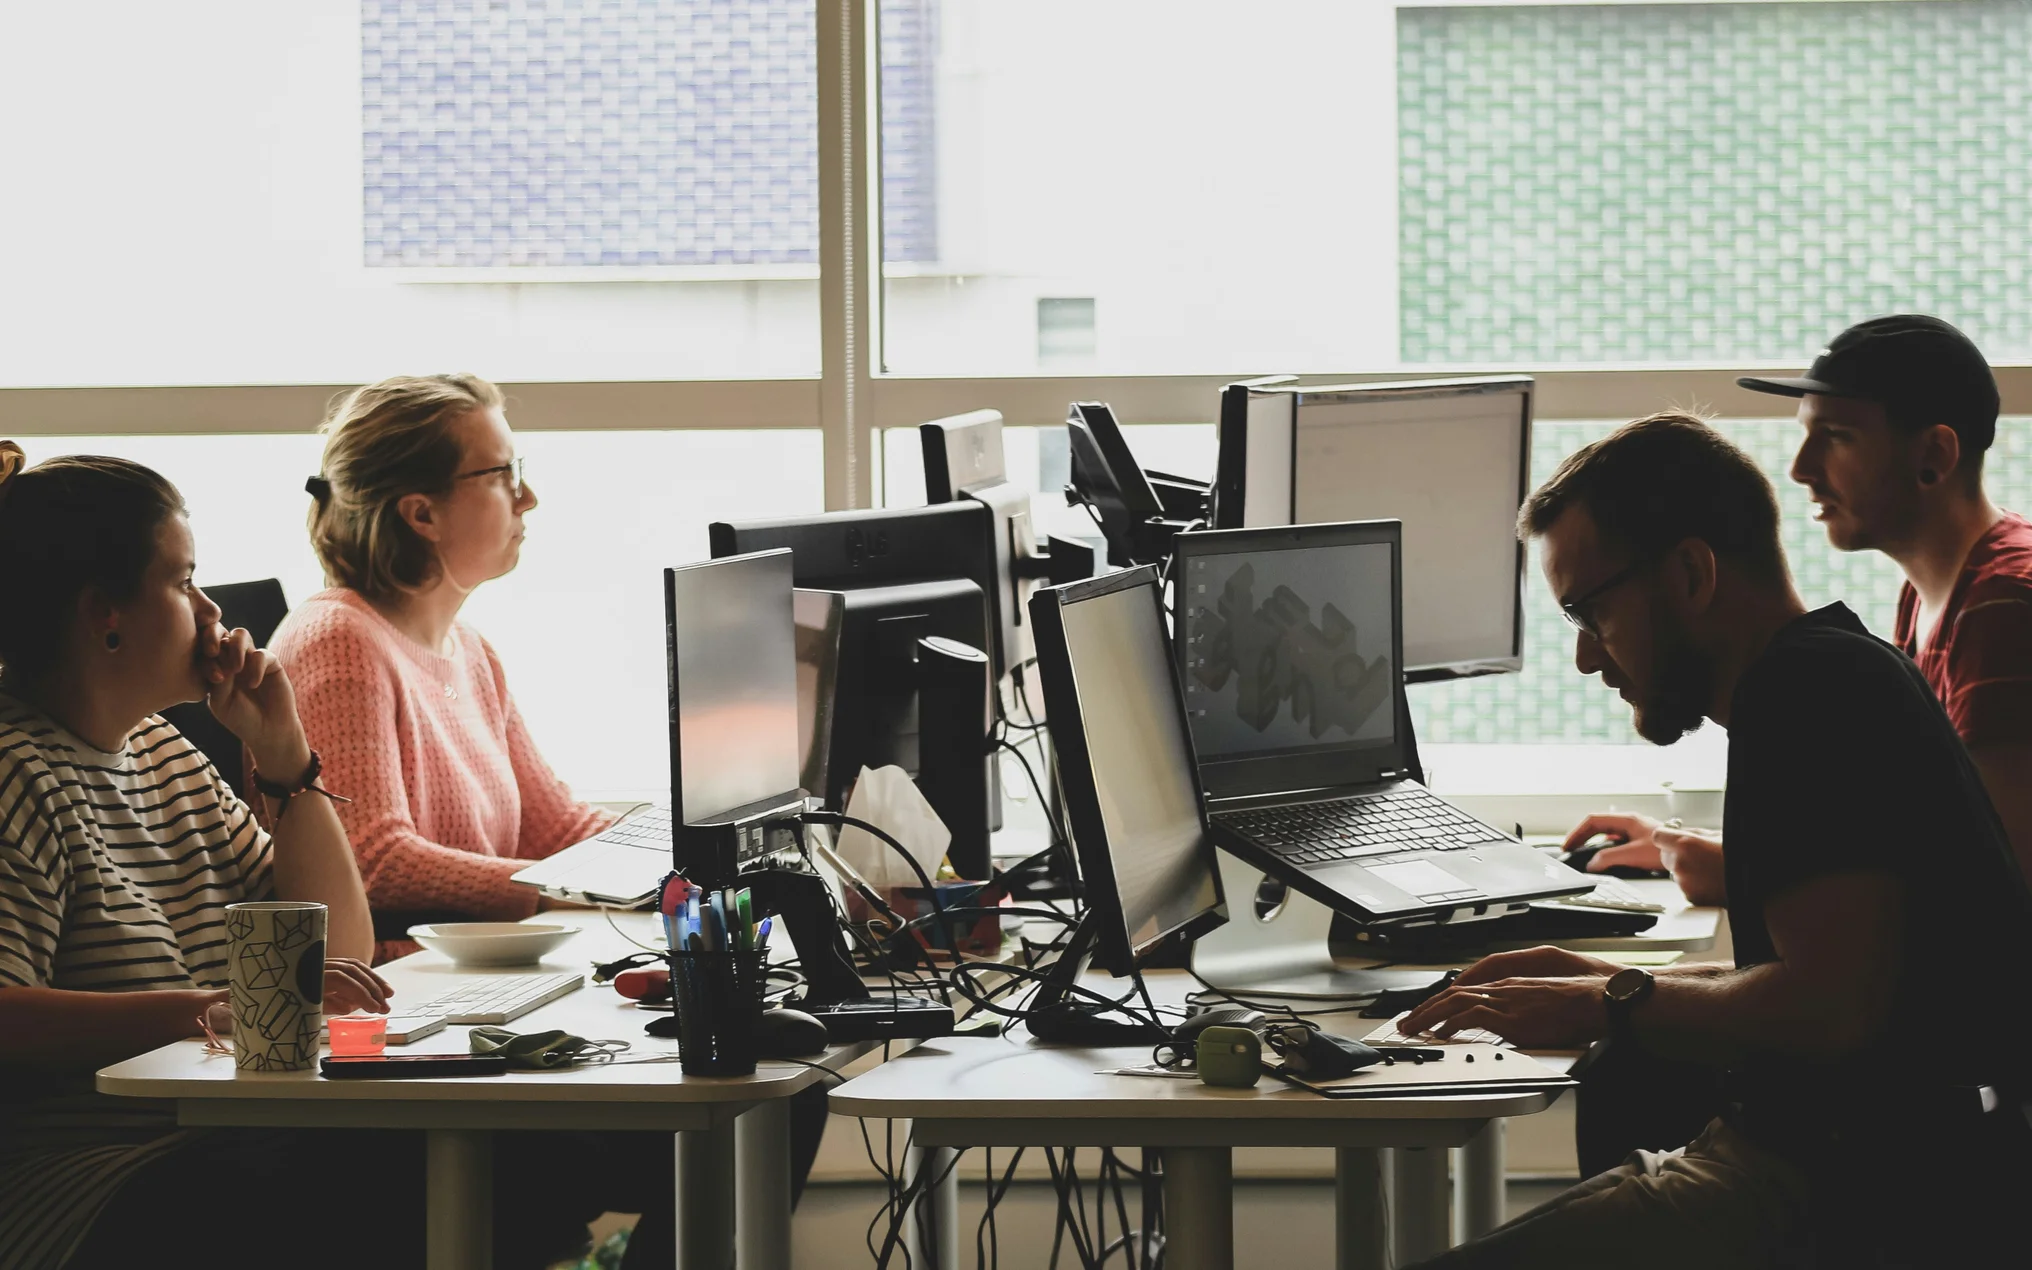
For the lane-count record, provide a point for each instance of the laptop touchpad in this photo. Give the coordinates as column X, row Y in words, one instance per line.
column 1419, row 878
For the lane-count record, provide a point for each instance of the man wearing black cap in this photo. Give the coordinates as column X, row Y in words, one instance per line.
column 1898, row 413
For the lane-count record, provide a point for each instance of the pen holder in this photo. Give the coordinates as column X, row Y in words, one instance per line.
column 719, row 1009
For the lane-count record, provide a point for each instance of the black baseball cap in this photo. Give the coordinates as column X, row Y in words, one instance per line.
column 1918, row 366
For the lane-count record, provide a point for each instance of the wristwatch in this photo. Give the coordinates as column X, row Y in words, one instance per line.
column 1625, row 991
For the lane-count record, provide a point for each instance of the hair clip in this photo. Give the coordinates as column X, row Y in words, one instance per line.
column 318, row 487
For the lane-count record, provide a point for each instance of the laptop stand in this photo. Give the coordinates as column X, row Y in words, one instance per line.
column 1286, row 955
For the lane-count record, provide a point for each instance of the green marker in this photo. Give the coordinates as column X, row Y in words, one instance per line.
column 744, row 908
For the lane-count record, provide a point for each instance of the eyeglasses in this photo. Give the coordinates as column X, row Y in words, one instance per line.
column 1579, row 611
column 512, row 467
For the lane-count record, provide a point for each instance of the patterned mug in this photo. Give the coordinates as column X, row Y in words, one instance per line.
column 277, row 983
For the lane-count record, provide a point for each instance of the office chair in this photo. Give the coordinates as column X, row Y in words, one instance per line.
column 260, row 607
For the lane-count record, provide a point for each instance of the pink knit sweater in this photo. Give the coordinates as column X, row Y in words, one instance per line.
column 450, row 796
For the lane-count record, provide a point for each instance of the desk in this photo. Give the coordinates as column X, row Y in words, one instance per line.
column 707, row 1114
column 1008, row 1092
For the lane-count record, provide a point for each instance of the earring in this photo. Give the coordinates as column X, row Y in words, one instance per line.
column 1928, row 476
column 112, row 641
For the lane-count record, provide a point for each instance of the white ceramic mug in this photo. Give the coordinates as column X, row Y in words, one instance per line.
column 277, row 983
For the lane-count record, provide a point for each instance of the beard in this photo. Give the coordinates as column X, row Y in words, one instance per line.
column 1682, row 688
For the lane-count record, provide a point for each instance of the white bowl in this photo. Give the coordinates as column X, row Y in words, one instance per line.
column 492, row 943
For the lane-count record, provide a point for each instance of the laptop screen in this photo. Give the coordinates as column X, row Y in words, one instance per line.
column 1289, row 643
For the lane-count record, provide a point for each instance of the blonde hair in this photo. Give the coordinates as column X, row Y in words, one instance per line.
column 384, row 442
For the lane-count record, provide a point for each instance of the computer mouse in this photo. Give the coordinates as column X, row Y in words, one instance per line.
column 1578, row 859
column 788, row 1033
column 1218, row 1016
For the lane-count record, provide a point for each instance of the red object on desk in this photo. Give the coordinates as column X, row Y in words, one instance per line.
column 644, row 983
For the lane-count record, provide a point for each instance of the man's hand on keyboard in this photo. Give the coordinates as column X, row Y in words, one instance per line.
column 1542, row 962
column 1530, row 1013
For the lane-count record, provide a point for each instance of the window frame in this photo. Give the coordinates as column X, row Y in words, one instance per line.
column 851, row 398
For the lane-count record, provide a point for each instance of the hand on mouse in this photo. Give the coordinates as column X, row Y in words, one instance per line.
column 1631, row 839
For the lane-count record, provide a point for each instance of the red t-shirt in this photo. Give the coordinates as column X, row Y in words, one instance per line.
column 1979, row 659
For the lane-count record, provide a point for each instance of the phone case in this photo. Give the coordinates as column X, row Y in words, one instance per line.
column 412, row 1066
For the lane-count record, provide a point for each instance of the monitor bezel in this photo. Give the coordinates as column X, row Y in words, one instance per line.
column 1326, row 767
column 1116, row 950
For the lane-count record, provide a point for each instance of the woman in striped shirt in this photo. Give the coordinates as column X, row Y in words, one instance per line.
column 119, row 849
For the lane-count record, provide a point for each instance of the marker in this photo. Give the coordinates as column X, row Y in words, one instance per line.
column 762, row 932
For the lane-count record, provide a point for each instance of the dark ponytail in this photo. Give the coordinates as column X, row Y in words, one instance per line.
column 68, row 524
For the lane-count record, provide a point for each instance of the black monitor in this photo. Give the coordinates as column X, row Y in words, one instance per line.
column 1126, row 767
column 732, row 665
column 915, row 582
column 1449, row 458
column 1139, row 511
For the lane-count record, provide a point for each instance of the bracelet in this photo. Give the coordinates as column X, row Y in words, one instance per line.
column 307, row 783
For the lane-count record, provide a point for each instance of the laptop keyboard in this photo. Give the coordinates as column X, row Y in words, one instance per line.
column 649, row 829
column 1365, row 827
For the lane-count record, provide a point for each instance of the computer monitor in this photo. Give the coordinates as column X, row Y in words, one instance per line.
column 1139, row 510
column 1448, row 458
column 819, row 615
column 964, row 459
column 1126, row 767
column 732, row 663
column 907, row 575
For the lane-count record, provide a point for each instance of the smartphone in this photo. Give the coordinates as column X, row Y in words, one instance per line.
column 412, row 1066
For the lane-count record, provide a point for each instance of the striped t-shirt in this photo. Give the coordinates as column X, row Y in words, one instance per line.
column 115, row 870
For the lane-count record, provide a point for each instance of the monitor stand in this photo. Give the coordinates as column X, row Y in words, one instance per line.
column 1057, row 1015
column 1286, row 955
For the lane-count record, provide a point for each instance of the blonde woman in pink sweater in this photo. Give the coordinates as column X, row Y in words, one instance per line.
column 420, row 499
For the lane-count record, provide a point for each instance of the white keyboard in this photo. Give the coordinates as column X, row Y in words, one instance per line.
column 1613, row 893
column 499, row 998
column 1388, row 1034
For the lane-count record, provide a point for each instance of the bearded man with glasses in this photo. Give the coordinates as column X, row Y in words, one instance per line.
column 1873, row 896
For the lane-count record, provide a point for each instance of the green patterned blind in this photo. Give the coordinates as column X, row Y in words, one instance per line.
column 1685, row 182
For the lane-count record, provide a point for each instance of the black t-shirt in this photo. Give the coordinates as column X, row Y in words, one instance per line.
column 1841, row 759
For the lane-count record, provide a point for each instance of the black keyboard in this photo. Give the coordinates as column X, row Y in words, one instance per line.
column 1364, row 827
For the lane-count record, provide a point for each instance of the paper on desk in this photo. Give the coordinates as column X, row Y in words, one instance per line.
column 886, row 796
column 1152, row 1069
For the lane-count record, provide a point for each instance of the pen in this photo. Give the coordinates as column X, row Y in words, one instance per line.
column 762, row 932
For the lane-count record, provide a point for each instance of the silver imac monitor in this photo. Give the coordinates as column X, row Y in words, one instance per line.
column 1449, row 458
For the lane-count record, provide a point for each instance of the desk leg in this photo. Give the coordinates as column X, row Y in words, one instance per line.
column 705, row 1198
column 935, row 1225
column 1361, row 1209
column 1199, row 1209
column 1479, row 1198
column 762, row 1152
column 1419, row 1201
column 459, row 1192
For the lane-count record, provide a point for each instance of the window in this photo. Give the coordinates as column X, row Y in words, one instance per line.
column 1705, row 182
column 334, row 192
column 579, row 624
column 1214, row 181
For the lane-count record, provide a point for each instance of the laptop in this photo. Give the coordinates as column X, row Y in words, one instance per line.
column 1289, row 642
column 625, row 865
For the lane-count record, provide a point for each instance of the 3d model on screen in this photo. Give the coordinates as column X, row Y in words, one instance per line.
column 1281, row 655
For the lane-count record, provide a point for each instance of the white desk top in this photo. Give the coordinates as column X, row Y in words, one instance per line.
column 183, row 1070
column 1015, row 1079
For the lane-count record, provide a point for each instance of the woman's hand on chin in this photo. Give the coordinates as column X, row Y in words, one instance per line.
column 249, row 693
